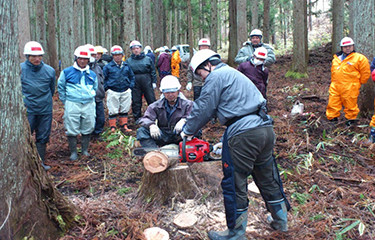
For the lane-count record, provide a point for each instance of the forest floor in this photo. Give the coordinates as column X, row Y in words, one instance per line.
column 328, row 171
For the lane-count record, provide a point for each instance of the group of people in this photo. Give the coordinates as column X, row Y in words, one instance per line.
column 237, row 97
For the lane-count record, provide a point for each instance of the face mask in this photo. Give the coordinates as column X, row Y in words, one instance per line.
column 92, row 59
column 257, row 62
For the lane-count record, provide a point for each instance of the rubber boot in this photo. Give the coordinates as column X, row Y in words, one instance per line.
column 238, row 233
column 112, row 124
column 72, row 140
column 124, row 124
column 41, row 147
column 85, row 141
column 279, row 214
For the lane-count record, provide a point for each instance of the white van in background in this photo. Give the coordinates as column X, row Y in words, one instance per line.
column 184, row 52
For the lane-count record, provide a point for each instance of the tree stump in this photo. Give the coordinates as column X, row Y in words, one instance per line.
column 163, row 179
column 156, row 233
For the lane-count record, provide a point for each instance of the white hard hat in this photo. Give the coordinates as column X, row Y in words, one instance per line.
column 91, row 48
column 166, row 49
column 135, row 43
column 105, row 50
column 82, row 52
column 99, row 49
column 346, row 41
column 204, row 42
column 116, row 49
column 256, row 32
column 33, row 48
column 147, row 48
column 201, row 56
column 174, row 48
column 261, row 52
column 169, row 83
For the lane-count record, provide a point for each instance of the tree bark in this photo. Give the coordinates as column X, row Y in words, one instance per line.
column 51, row 43
column 241, row 24
column 190, row 29
column 174, row 183
column 24, row 21
column 233, row 45
column 299, row 63
column 41, row 27
column 362, row 32
column 266, row 21
column 146, row 23
column 30, row 204
column 254, row 14
column 66, row 37
column 129, row 26
column 158, row 24
column 214, row 25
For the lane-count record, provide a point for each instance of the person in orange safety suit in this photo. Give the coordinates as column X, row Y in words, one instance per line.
column 175, row 62
column 349, row 70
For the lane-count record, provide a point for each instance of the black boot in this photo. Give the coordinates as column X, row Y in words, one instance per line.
column 72, row 140
column 41, row 147
column 238, row 233
column 85, row 140
column 279, row 214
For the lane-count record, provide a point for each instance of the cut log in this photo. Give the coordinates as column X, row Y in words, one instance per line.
column 185, row 220
column 159, row 160
column 156, row 233
column 175, row 183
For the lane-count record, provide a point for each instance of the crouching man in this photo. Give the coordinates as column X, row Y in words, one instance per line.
column 164, row 119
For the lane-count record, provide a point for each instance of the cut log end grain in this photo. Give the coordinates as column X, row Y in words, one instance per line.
column 155, row 162
column 185, row 220
column 156, row 233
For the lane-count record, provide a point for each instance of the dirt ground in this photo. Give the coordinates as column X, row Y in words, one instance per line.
column 327, row 169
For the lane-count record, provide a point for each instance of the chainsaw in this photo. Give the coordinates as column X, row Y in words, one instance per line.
column 193, row 151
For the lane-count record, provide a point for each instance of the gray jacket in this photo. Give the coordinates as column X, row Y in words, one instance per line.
column 248, row 51
column 157, row 111
column 228, row 94
column 195, row 79
column 100, row 93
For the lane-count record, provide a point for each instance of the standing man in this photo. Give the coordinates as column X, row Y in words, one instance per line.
column 100, row 93
column 349, row 70
column 246, row 52
column 118, row 83
column 149, row 53
column 102, row 58
column 38, row 87
column 164, row 119
column 175, row 62
column 247, row 146
column 164, row 63
column 145, row 78
column 194, row 79
column 77, row 88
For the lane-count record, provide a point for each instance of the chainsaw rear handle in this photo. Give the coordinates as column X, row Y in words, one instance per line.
column 184, row 149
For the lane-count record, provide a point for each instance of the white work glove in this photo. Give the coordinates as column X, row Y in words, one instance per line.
column 179, row 125
column 155, row 131
column 188, row 86
column 188, row 137
column 153, row 85
column 217, row 149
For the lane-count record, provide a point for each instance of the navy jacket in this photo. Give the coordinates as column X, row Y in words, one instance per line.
column 116, row 78
column 38, row 87
column 141, row 64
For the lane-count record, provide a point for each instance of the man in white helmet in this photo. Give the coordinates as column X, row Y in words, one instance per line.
column 145, row 78
column 175, row 62
column 163, row 63
column 247, row 51
column 164, row 119
column 77, row 89
column 194, row 80
column 349, row 70
column 38, row 87
column 119, row 80
column 247, row 144
column 149, row 53
column 256, row 71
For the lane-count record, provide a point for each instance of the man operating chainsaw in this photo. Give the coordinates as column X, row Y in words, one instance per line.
column 164, row 119
column 247, row 146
